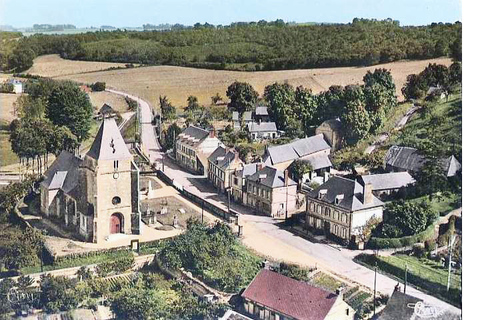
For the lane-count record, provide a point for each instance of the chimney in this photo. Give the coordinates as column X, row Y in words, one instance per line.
column 259, row 166
column 212, row 133
column 340, row 292
column 286, row 177
column 367, row 193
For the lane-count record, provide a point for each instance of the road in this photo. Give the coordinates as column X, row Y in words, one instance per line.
column 384, row 136
column 265, row 236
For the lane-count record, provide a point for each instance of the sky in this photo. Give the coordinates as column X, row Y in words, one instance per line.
column 135, row 13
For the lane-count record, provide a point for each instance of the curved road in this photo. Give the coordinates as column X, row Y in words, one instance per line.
column 266, row 237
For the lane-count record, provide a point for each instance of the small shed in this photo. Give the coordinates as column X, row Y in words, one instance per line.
column 332, row 131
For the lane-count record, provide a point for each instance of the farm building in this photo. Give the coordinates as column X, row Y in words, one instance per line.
column 332, row 131
column 387, row 183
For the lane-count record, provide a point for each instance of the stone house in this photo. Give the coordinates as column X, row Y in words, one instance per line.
column 341, row 207
column 96, row 195
column 314, row 149
column 193, row 146
column 399, row 158
column 332, row 131
column 222, row 163
column 386, row 184
column 262, row 130
column 272, row 192
column 271, row 295
column 239, row 183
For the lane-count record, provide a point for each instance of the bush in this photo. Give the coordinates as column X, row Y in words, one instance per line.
column 6, row 88
column 418, row 250
column 117, row 266
column 98, row 86
column 384, row 243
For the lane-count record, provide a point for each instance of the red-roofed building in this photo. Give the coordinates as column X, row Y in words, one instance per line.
column 272, row 296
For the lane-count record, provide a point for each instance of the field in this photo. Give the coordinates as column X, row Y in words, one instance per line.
column 116, row 101
column 53, row 66
column 180, row 82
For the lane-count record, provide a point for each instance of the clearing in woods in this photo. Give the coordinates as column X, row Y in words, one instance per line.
column 177, row 83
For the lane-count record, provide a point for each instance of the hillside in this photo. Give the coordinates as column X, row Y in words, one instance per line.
column 178, row 82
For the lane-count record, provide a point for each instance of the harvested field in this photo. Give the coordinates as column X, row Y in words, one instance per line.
column 53, row 66
column 116, row 101
column 7, row 106
column 179, row 82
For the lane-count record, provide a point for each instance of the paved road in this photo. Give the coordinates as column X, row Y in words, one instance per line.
column 336, row 260
column 384, row 136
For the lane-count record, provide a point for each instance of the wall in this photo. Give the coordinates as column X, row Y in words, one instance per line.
column 360, row 218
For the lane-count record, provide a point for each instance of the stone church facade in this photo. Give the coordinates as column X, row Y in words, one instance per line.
column 96, row 195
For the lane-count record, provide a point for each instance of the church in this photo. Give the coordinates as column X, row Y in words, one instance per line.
column 96, row 195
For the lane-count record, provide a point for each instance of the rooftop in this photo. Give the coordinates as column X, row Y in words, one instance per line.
column 262, row 127
column 385, row 181
column 223, row 157
column 108, row 143
column 290, row 297
column 296, row 149
column 274, row 178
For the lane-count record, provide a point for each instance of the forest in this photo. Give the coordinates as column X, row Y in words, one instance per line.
column 248, row 46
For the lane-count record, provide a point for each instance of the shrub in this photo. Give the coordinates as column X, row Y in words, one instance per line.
column 418, row 250
column 119, row 265
column 98, row 86
column 6, row 88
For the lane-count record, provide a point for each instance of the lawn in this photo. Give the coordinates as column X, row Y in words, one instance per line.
column 7, row 156
column 325, row 281
column 442, row 204
column 423, row 273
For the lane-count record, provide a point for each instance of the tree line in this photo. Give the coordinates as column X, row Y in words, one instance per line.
column 247, row 46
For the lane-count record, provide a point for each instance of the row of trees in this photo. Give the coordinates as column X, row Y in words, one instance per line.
column 55, row 116
column 255, row 46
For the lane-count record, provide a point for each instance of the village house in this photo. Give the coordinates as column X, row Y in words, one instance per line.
column 271, row 295
column 262, row 130
column 239, row 183
column 258, row 123
column 96, row 195
column 386, row 184
column 222, row 163
column 341, row 208
column 314, row 149
column 272, row 192
column 193, row 146
column 332, row 131
column 400, row 159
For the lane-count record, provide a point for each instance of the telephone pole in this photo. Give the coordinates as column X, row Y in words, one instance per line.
column 375, row 290
column 406, row 275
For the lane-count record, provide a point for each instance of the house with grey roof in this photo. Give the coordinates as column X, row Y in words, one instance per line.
column 193, row 146
column 262, row 130
column 399, row 158
column 340, row 208
column 222, row 163
column 97, row 195
column 257, row 122
column 239, row 181
column 386, row 184
column 272, row 192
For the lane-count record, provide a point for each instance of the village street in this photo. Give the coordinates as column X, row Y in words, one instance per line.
column 264, row 235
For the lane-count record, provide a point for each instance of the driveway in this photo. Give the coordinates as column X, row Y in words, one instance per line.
column 264, row 235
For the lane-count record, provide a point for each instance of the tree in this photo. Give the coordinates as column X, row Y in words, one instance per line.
column 27, row 106
column 242, row 96
column 24, row 282
column 168, row 111
column 21, row 58
column 58, row 293
column 404, row 218
column 380, row 90
column 61, row 138
column 456, row 49
column 5, row 305
column 69, row 106
column 305, row 106
column 330, row 104
column 414, row 88
column 193, row 104
column 431, row 178
column 281, row 100
column 170, row 135
column 455, row 73
column 98, row 86
column 298, row 168
column 355, row 119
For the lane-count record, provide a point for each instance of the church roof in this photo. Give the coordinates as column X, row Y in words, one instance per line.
column 109, row 143
column 63, row 173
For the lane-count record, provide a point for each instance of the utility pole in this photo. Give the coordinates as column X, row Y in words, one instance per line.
column 286, row 198
column 406, row 275
column 450, row 250
column 202, row 205
column 375, row 290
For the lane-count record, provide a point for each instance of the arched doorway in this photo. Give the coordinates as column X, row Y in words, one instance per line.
column 116, row 223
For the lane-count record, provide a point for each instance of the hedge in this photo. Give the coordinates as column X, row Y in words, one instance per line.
column 385, row 243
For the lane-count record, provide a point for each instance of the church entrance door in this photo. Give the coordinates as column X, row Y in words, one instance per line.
column 116, row 223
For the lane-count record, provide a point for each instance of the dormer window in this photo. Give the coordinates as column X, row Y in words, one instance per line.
column 339, row 198
column 322, row 193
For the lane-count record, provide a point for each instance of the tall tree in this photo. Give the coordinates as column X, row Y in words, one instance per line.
column 168, row 111
column 70, row 106
column 281, row 100
column 193, row 104
column 306, row 104
column 242, row 96
column 355, row 119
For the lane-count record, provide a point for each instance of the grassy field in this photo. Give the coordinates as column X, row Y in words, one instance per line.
column 7, row 156
column 422, row 273
column 116, row 101
column 179, row 82
column 442, row 204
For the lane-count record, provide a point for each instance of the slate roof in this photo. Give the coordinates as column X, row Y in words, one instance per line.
column 108, row 143
column 274, row 178
column 106, row 109
column 404, row 158
column 261, row 111
column 262, row 127
column 193, row 135
column 318, row 161
column 247, row 116
column 227, row 157
column 290, row 297
column 387, row 181
column 402, row 307
column 248, row 169
column 351, row 191
column 63, row 173
column 408, row 159
column 296, row 149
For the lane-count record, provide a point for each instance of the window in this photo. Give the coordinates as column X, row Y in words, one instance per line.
column 116, row 164
column 116, row 200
